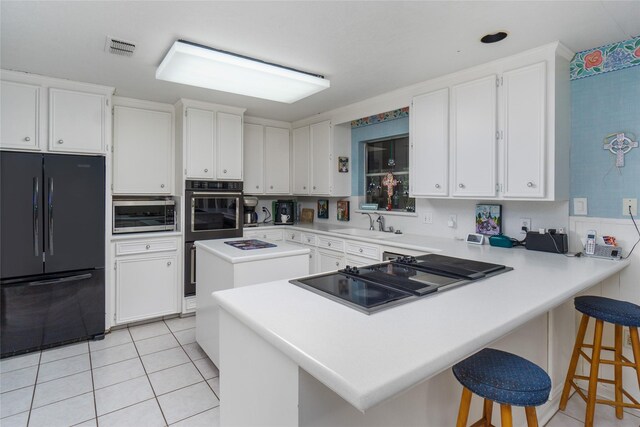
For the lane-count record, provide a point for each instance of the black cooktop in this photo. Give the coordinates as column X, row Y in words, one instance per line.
column 375, row 287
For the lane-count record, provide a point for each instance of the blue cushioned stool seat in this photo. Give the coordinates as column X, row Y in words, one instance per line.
column 504, row 378
column 609, row 310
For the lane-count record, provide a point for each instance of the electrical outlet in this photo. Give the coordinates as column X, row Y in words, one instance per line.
column 525, row 223
column 427, row 218
column 630, row 203
column 451, row 222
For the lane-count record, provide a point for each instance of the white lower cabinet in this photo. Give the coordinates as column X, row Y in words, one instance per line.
column 330, row 261
column 273, row 235
column 147, row 281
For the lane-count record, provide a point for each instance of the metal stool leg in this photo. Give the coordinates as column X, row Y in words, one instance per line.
column 593, row 377
column 574, row 361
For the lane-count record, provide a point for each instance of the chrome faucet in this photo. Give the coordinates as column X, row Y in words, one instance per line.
column 380, row 222
column 371, row 227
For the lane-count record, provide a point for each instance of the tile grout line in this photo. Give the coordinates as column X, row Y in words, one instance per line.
column 166, row 423
column 35, row 384
column 93, row 388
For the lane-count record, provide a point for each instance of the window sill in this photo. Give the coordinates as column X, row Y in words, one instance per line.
column 383, row 212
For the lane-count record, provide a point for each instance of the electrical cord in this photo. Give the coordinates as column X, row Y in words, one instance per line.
column 638, row 230
column 267, row 216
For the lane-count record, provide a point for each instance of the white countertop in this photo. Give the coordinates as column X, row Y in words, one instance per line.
column 234, row 255
column 367, row 359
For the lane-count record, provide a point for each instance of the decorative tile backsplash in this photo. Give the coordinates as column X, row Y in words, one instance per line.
column 382, row 117
column 612, row 57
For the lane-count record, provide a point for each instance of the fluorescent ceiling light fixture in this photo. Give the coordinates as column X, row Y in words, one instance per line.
column 196, row 65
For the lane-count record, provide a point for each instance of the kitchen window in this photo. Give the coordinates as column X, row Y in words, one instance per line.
column 383, row 156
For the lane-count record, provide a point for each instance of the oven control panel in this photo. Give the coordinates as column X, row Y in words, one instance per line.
column 214, row 185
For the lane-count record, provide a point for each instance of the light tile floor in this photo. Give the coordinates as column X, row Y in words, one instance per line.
column 147, row 375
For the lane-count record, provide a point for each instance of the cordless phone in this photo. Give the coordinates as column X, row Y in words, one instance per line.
column 590, row 246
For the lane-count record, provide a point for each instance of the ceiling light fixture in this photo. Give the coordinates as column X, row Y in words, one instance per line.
column 197, row 65
column 494, row 38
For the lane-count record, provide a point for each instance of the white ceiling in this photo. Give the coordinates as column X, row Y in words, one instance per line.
column 364, row 48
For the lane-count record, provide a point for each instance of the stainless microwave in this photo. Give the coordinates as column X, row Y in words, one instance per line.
column 143, row 215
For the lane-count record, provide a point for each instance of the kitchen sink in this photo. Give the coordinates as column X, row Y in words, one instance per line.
column 373, row 234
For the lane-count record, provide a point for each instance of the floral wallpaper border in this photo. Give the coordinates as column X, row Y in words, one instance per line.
column 382, row 117
column 611, row 57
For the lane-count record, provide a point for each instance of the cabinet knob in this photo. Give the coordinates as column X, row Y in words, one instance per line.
column 337, row 263
column 148, row 246
column 224, row 171
column 360, row 250
column 529, row 184
column 161, row 185
column 461, row 185
column 293, row 235
column 264, row 236
column 310, row 256
column 168, row 263
column 257, row 187
column 304, row 187
column 314, row 187
column 329, row 244
column 206, row 170
column 437, row 185
column 27, row 139
column 60, row 141
column 308, row 240
column 271, row 187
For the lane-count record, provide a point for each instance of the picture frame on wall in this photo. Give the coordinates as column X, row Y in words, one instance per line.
column 489, row 219
column 343, row 210
column 323, row 208
column 343, row 164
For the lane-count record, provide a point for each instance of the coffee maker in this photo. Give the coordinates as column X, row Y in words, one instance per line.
column 250, row 214
column 283, row 212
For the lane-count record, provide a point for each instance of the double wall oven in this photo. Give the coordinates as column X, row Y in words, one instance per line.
column 213, row 211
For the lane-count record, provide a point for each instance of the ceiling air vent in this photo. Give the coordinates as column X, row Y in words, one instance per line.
column 119, row 46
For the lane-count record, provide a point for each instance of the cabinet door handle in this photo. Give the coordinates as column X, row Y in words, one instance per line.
column 461, row 185
column 27, row 139
column 529, row 184
column 161, row 185
column 168, row 263
column 329, row 244
column 60, row 141
column 206, row 170
column 337, row 263
column 437, row 185
column 224, row 171
column 147, row 247
column 360, row 250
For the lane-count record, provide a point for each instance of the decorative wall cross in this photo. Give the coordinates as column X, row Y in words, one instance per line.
column 619, row 144
column 389, row 181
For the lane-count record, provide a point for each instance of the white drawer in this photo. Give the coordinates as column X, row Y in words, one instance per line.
column 293, row 236
column 360, row 250
column 330, row 243
column 309, row 239
column 146, row 246
column 274, row 235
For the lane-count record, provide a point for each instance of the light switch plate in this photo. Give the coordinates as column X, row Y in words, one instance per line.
column 580, row 206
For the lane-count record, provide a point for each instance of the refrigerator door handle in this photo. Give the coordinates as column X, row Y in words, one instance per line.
column 193, row 265
column 61, row 280
column 50, row 216
column 36, row 214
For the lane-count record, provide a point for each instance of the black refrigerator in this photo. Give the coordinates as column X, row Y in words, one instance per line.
column 52, row 243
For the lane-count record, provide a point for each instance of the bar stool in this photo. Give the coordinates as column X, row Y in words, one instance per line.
column 620, row 313
column 504, row 378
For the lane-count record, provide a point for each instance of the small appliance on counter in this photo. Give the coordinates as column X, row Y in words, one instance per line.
column 283, row 212
column 250, row 214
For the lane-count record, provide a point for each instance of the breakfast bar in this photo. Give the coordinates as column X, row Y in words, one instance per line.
column 304, row 359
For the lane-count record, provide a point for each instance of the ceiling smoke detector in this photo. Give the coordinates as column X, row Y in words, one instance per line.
column 119, row 46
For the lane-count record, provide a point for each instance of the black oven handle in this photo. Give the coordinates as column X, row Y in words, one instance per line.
column 214, row 193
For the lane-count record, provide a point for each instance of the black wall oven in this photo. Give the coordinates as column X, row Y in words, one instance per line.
column 213, row 210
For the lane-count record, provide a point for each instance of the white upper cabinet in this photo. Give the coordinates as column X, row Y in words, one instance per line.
column 253, row 158
column 524, row 104
column 321, row 158
column 76, row 121
column 473, row 138
column 277, row 160
column 209, row 141
column 19, row 116
column 301, row 141
column 143, row 149
column 229, row 152
column 200, row 134
column 429, row 136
